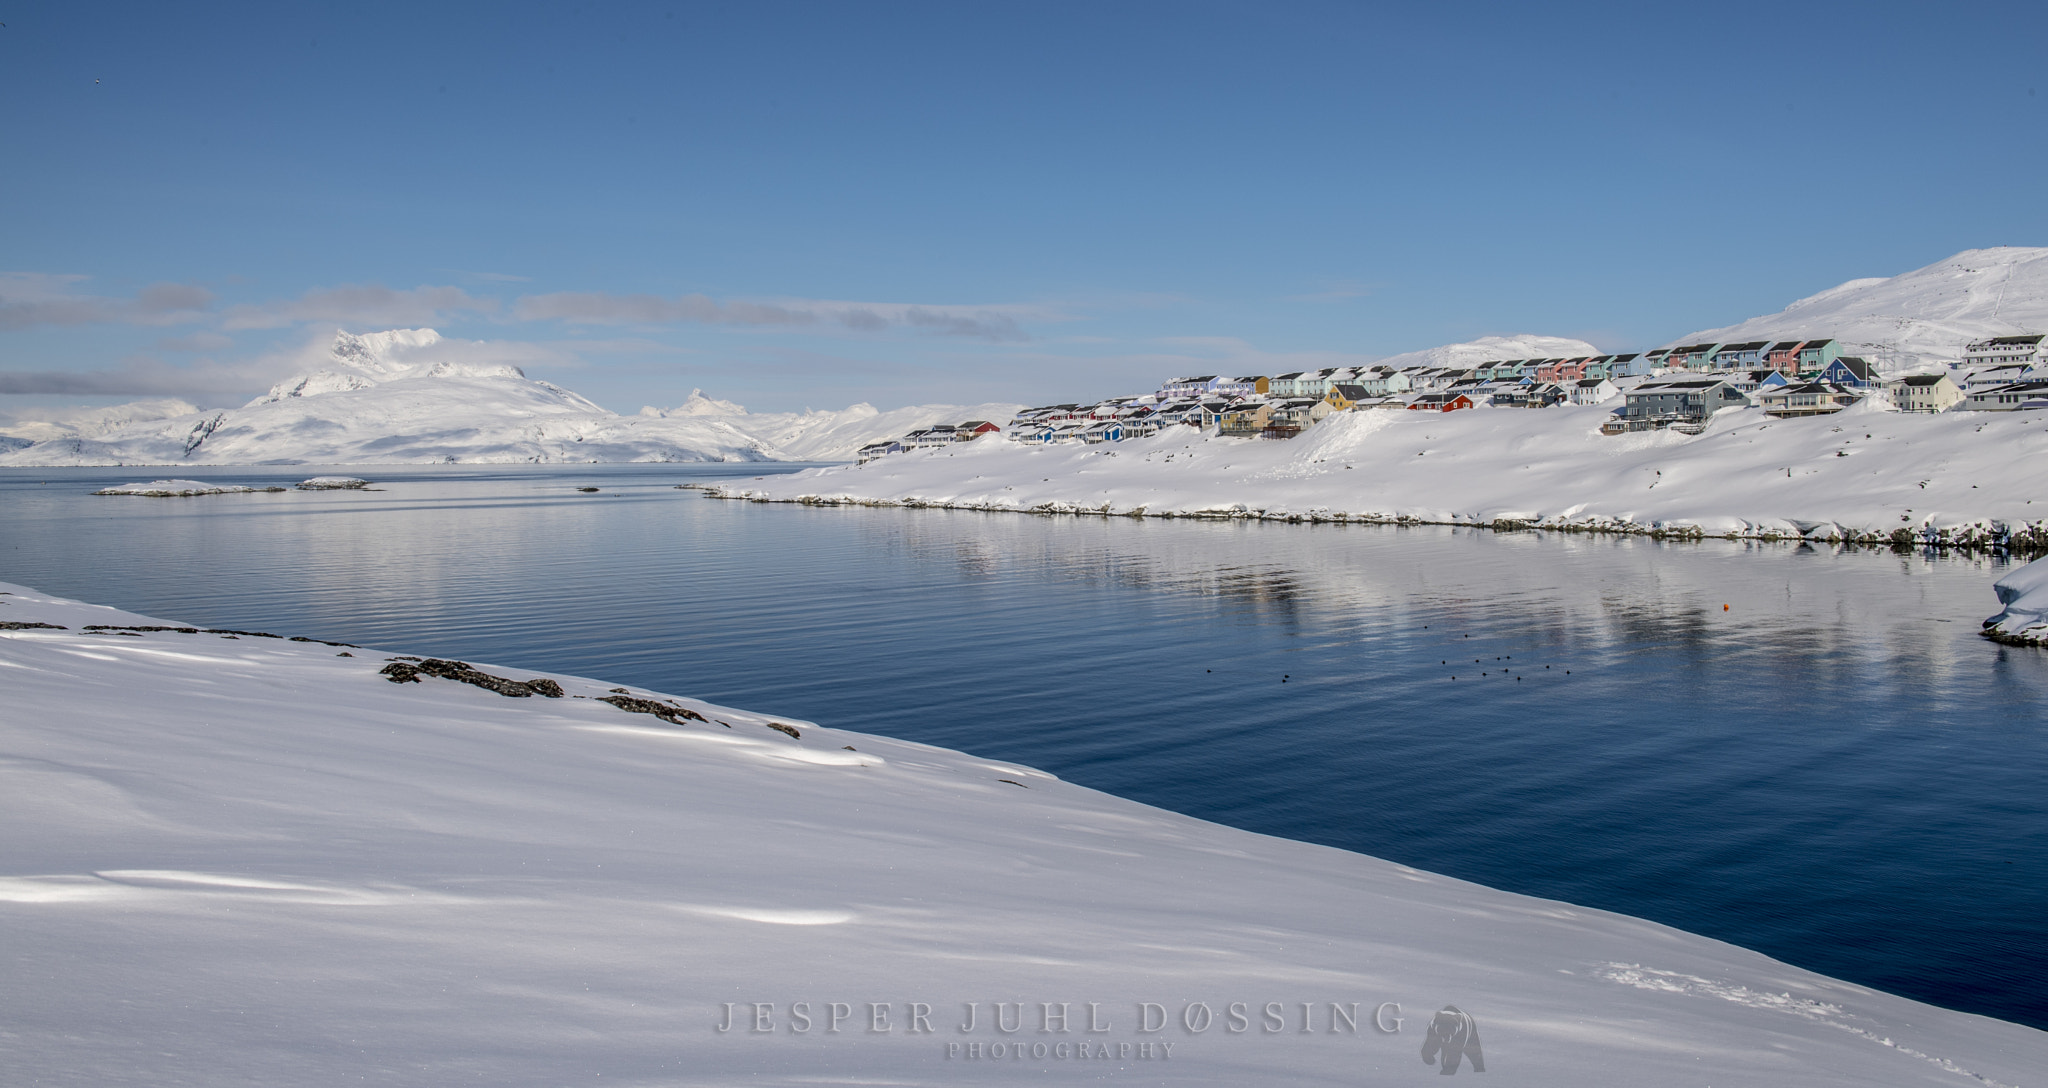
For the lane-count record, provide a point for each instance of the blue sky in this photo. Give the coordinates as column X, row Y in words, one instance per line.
column 813, row 204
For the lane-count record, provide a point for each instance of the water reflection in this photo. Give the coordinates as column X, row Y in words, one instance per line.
column 1803, row 750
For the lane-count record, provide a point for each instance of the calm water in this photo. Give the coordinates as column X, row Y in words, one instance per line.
column 1834, row 769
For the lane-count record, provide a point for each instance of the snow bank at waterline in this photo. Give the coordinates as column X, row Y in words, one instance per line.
column 1866, row 474
column 2024, row 593
column 235, row 858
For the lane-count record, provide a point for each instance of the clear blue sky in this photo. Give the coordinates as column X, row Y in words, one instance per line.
column 792, row 204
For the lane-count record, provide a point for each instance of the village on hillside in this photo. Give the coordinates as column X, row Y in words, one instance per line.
column 1678, row 388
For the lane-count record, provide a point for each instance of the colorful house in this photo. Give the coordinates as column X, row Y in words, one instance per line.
column 1381, row 381
column 1850, row 372
column 1245, row 420
column 1783, row 356
column 1741, row 356
column 1289, row 384
column 1815, row 355
column 1344, row 395
column 1440, row 402
column 1691, row 356
column 1681, row 399
column 1527, row 395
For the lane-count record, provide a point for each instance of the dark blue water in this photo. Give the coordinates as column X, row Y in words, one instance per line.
column 1834, row 769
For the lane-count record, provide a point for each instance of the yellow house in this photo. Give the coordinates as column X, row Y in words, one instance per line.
column 1343, row 395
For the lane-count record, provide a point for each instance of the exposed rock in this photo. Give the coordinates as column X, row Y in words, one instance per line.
column 674, row 715
column 400, row 672
column 790, row 729
column 17, row 625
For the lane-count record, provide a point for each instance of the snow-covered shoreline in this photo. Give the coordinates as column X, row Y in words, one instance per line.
column 2024, row 619
column 237, row 857
column 1863, row 476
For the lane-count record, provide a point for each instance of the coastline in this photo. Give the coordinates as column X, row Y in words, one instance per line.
column 1846, row 479
column 303, row 846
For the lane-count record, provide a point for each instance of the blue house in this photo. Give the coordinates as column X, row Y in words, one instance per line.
column 1850, row 372
column 1626, row 366
column 1742, row 356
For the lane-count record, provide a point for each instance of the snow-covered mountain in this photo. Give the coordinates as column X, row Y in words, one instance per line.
column 1915, row 319
column 1493, row 348
column 95, row 423
column 406, row 396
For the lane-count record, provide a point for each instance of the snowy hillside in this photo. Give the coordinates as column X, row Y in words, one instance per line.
column 1488, row 349
column 1916, row 319
column 1865, row 472
column 238, row 859
column 95, row 423
column 826, row 435
column 396, row 398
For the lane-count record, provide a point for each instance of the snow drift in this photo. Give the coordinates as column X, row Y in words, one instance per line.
column 2024, row 593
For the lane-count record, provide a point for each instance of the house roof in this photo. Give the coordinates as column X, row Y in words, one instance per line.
column 1585, row 383
column 1787, row 345
column 1621, row 358
column 2013, row 341
column 1753, row 345
column 1924, row 379
column 1854, row 365
column 1349, row 391
column 1813, row 387
column 1815, row 344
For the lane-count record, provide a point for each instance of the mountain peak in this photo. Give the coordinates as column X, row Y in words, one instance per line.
column 358, row 361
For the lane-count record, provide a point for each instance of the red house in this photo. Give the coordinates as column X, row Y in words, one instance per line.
column 1440, row 402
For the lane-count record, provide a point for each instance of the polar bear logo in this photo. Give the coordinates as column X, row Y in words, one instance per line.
column 1453, row 1032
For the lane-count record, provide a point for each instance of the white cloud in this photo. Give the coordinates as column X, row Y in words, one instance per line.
column 28, row 299
column 988, row 322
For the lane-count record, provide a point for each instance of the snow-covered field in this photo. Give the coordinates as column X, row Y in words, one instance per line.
column 395, row 398
column 239, row 859
column 1863, row 473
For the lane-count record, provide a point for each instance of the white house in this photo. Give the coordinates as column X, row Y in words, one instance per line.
column 1806, row 399
column 2007, row 398
column 1923, row 393
column 2001, row 350
column 1594, row 391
